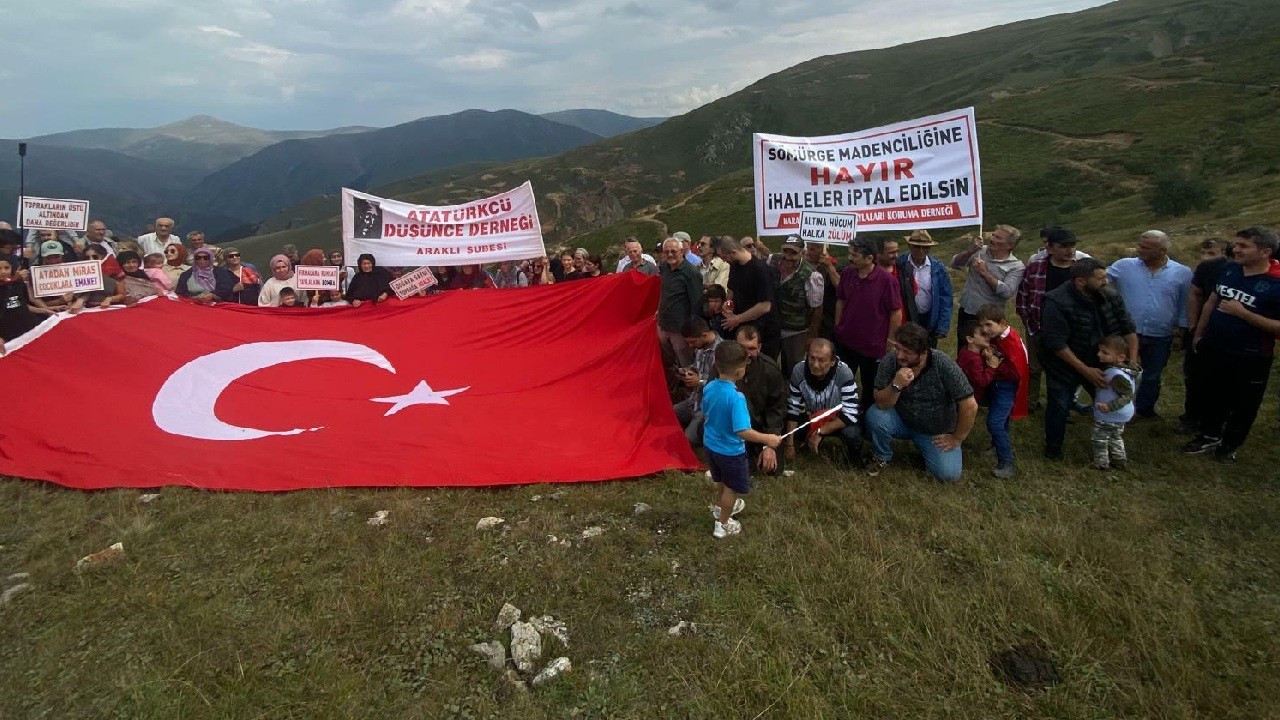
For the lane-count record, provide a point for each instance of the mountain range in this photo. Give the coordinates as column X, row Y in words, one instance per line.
column 227, row 178
column 1079, row 114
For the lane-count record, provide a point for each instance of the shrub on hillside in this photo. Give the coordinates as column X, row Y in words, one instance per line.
column 1176, row 193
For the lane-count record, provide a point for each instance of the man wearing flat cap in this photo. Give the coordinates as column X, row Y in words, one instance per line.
column 926, row 287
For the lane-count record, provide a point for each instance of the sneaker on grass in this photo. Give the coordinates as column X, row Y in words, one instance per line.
column 738, row 506
column 733, row 527
column 1201, row 444
column 1004, row 471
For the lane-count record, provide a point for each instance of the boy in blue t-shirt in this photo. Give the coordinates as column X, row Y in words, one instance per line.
column 725, row 433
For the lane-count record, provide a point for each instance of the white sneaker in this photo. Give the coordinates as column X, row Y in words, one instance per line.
column 733, row 527
column 738, row 505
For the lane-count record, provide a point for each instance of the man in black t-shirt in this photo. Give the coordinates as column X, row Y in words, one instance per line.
column 752, row 288
column 1214, row 259
column 1234, row 343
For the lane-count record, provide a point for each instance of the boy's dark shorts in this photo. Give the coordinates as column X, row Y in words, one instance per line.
column 732, row 470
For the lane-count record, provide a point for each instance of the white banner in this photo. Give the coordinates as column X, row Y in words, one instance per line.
column 316, row 277
column 414, row 282
column 502, row 227
column 827, row 228
column 63, row 278
column 53, row 214
column 922, row 173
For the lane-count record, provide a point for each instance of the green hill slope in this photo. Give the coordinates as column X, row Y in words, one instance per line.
column 1078, row 113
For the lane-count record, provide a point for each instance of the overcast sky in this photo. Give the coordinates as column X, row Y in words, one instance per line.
column 308, row 64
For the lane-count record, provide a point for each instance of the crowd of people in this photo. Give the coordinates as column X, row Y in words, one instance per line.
column 818, row 348
column 822, row 349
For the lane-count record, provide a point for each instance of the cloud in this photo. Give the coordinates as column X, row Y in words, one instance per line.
column 217, row 30
column 311, row 63
column 478, row 60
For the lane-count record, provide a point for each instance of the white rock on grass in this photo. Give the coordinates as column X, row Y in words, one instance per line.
column 13, row 592
column 593, row 531
column 682, row 628
column 489, row 523
column 507, row 616
column 379, row 518
column 526, row 646
column 492, row 652
column 548, row 625
column 148, row 498
column 641, row 508
column 553, row 670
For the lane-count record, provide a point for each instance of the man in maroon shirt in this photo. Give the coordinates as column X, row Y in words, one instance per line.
column 868, row 310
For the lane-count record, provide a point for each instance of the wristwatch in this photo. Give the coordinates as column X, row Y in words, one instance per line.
column 895, row 387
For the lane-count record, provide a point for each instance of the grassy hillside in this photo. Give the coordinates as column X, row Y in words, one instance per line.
column 1079, row 113
column 1154, row 590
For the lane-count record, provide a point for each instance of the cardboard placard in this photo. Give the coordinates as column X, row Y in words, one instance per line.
column 63, row 278
column 53, row 213
column 317, row 277
column 414, row 282
column 828, row 227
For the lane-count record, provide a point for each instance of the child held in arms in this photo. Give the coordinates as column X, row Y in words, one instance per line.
column 1113, row 404
column 995, row 361
column 725, row 434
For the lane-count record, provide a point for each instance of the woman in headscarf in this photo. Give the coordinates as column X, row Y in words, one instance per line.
column 205, row 283
column 470, row 277
column 370, row 282
column 175, row 262
column 248, row 283
column 137, row 284
column 281, row 277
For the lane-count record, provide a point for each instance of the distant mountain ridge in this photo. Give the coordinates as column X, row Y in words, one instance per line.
column 602, row 122
column 261, row 185
column 204, row 142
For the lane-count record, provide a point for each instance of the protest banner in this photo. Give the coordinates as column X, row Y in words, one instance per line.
column 53, row 214
column 413, row 283
column 922, row 173
column 316, row 277
column 502, row 227
column 63, row 278
column 826, row 227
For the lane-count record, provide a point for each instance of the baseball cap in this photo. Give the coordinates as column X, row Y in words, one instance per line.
column 794, row 241
column 1060, row 236
column 51, row 247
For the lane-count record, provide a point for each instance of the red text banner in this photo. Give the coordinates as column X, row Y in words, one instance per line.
column 347, row 396
column 922, row 173
column 502, row 227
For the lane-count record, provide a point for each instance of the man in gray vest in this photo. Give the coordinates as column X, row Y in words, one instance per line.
column 800, row 293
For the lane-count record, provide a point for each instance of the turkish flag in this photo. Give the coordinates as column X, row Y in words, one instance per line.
column 558, row 383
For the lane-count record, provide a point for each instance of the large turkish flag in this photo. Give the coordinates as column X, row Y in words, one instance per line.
column 560, row 383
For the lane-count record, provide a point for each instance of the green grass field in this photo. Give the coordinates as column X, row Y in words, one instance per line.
column 1154, row 589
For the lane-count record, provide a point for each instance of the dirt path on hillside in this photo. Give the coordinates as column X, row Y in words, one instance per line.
column 1118, row 140
column 651, row 213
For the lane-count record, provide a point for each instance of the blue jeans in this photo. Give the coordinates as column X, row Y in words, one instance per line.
column 886, row 425
column 1060, row 397
column 1154, row 353
column 1001, row 395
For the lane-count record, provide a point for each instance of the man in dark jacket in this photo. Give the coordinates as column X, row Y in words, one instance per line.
column 766, row 391
column 1076, row 316
column 680, row 299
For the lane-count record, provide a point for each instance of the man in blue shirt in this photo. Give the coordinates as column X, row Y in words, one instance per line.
column 1154, row 288
column 1234, row 344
